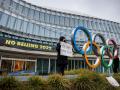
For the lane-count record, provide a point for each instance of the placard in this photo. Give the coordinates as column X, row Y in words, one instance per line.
column 66, row 49
column 112, row 81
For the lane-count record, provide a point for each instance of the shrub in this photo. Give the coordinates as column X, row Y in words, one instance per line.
column 57, row 82
column 37, row 83
column 83, row 83
column 105, row 85
column 76, row 71
column 10, row 83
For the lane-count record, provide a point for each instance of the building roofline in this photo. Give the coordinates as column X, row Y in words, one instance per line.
column 69, row 12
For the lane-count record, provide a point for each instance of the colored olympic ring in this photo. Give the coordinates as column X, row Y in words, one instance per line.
column 98, row 57
column 102, row 51
column 115, row 46
column 101, row 37
column 99, row 52
column 73, row 39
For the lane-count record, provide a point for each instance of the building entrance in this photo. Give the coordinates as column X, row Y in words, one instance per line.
column 16, row 66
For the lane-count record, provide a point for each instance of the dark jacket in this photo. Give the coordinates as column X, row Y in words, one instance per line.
column 61, row 60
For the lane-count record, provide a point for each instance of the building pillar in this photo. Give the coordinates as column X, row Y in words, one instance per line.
column 49, row 66
column 0, row 61
column 36, row 66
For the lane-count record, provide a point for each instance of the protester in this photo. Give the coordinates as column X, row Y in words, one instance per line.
column 61, row 60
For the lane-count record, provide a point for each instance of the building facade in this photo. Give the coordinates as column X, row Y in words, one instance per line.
column 28, row 36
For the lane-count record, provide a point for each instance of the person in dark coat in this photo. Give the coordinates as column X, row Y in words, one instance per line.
column 61, row 60
column 116, row 64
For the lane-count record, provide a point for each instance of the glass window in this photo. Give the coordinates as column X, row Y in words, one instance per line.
column 11, row 22
column 36, row 16
column 52, row 65
column 19, row 9
column 6, row 3
column 80, row 22
column 47, row 16
column 36, row 29
column 57, row 34
column 71, row 22
column 30, row 28
column 51, row 19
column 57, row 18
column 110, row 28
column 31, row 13
column 89, row 24
column 85, row 24
column 103, row 24
column 76, row 23
column 4, row 19
column 13, row 6
column 67, row 21
column 1, row 1
column 106, row 27
column 101, row 27
column 113, row 28
column 41, row 33
column 99, row 24
column 6, row 65
column 61, row 20
column 117, row 28
column 46, row 32
column 25, row 11
column 0, row 15
column 42, row 16
column 52, row 34
column 18, row 24
column 95, row 25
column 24, row 26
column 83, row 21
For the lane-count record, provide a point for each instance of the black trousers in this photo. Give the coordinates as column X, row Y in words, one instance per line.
column 61, row 69
column 115, row 69
column 115, row 66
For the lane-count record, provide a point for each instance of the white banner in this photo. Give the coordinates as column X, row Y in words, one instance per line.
column 112, row 81
column 66, row 49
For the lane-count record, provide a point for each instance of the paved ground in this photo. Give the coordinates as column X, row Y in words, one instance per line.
column 25, row 78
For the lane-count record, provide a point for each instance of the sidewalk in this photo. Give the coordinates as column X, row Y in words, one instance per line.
column 25, row 78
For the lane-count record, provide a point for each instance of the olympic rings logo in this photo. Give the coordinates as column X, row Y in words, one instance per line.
column 91, row 45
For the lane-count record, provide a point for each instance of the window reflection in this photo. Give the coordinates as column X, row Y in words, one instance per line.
column 18, row 24
column 4, row 19
column 19, row 9
column 11, row 22
column 31, row 13
column 67, row 20
column 47, row 18
column 42, row 17
column 51, row 19
column 61, row 20
column 30, row 28
column 24, row 26
column 46, row 32
column 36, row 29
column 36, row 16
column 25, row 11
column 41, row 33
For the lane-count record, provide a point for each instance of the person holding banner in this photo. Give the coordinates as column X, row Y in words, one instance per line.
column 61, row 60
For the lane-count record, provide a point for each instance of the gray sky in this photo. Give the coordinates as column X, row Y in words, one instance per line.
column 106, row 9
